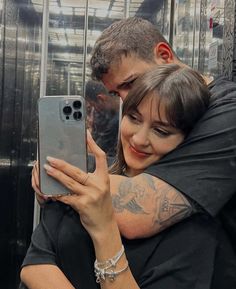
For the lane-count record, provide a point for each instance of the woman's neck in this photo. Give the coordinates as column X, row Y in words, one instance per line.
column 129, row 172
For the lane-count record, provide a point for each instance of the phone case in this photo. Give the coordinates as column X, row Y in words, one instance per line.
column 61, row 134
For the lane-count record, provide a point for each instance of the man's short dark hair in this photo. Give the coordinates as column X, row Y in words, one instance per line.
column 131, row 36
column 94, row 88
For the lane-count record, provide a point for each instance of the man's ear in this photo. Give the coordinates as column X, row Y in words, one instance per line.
column 101, row 97
column 163, row 53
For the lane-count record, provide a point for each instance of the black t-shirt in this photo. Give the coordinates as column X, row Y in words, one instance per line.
column 181, row 257
column 203, row 167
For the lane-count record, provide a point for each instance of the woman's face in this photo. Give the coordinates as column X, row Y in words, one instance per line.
column 146, row 136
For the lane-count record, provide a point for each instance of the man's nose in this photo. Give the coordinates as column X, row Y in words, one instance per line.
column 123, row 94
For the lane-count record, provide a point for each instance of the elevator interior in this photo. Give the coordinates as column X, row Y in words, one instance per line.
column 201, row 32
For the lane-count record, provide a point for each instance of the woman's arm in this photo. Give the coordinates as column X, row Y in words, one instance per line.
column 106, row 245
column 91, row 198
column 40, row 268
column 44, row 276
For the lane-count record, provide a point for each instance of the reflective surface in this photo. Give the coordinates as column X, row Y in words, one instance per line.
column 202, row 33
column 66, row 47
column 19, row 80
column 184, row 30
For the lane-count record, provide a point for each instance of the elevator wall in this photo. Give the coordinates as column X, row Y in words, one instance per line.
column 201, row 31
column 19, row 90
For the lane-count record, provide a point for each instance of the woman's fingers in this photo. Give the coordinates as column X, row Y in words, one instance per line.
column 75, row 179
column 100, row 156
column 68, row 169
column 35, row 185
column 68, row 200
column 35, row 180
column 62, row 175
column 76, row 173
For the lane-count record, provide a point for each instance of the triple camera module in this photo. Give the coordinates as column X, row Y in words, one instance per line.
column 72, row 110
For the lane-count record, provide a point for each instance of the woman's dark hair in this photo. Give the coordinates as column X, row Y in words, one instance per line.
column 183, row 91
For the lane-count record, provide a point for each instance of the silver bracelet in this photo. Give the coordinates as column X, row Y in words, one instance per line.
column 110, row 262
column 101, row 274
column 106, row 268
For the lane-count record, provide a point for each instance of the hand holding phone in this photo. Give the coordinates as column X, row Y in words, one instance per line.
column 62, row 135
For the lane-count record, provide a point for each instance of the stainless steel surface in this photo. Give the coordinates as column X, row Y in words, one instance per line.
column 200, row 29
column 19, row 81
column 43, row 83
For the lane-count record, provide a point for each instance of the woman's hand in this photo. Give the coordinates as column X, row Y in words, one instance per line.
column 91, row 198
column 41, row 198
column 90, row 193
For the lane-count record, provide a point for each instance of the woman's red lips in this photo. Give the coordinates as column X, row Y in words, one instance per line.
column 138, row 153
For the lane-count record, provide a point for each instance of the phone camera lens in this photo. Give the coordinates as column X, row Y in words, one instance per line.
column 77, row 104
column 67, row 110
column 77, row 115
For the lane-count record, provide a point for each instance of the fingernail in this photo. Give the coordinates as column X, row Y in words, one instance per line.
column 50, row 159
column 47, row 168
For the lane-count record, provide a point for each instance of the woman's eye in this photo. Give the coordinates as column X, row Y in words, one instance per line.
column 133, row 117
column 162, row 132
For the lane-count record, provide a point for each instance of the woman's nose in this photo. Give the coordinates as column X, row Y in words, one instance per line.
column 140, row 137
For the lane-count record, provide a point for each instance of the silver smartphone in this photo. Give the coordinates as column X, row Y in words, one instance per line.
column 61, row 134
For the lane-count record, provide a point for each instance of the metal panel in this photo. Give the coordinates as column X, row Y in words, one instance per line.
column 19, row 92
column 215, row 46
column 20, row 42
column 228, row 38
column 202, row 36
column 184, row 31
column 8, row 174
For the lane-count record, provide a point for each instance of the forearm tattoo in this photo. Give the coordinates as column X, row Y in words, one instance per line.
column 169, row 206
column 128, row 197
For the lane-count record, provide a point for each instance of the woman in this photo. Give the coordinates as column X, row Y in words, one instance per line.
column 160, row 110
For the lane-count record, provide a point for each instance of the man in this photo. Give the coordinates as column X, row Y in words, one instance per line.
column 102, row 116
column 197, row 176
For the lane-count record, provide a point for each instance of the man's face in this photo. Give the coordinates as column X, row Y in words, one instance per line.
column 121, row 76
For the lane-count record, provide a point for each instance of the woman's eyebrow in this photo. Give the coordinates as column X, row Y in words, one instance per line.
column 155, row 122
column 162, row 123
column 134, row 110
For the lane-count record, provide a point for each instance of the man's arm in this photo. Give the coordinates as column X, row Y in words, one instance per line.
column 145, row 205
column 44, row 276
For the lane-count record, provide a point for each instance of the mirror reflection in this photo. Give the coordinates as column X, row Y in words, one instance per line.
column 201, row 33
